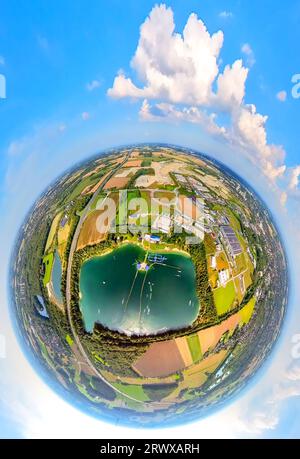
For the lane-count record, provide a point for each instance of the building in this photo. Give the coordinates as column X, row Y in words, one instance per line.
column 213, row 262
column 152, row 238
column 223, row 277
column 231, row 241
column 162, row 223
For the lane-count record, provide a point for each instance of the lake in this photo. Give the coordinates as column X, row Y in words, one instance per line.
column 56, row 278
column 116, row 294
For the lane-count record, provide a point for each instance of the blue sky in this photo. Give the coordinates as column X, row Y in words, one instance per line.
column 67, row 68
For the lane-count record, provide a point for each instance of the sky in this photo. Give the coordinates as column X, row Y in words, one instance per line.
column 214, row 76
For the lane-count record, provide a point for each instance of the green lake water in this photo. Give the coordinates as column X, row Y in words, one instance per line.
column 117, row 295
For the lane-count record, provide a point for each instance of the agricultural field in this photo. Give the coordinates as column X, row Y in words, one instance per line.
column 62, row 238
column 48, row 263
column 195, row 376
column 135, row 391
column 170, row 360
column 247, row 311
column 195, row 348
column 117, row 183
column 52, row 232
column 224, row 298
column 89, row 234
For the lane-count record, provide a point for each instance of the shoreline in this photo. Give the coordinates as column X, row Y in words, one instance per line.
column 170, row 250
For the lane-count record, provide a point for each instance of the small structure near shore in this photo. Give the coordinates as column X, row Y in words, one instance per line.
column 142, row 266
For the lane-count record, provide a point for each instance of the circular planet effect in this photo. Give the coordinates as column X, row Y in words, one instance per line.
column 149, row 284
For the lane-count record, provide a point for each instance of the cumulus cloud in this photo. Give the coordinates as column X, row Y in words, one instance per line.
column 283, row 198
column 94, row 84
column 248, row 52
column 188, row 114
column 181, row 77
column 250, row 130
column 267, row 416
column 281, row 96
column 294, row 178
column 231, row 85
column 173, row 67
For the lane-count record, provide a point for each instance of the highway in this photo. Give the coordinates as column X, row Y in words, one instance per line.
column 68, row 283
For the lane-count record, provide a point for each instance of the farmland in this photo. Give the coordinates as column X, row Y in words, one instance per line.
column 170, row 360
column 89, row 234
column 194, row 346
column 52, row 232
column 224, row 298
column 48, row 263
column 134, row 391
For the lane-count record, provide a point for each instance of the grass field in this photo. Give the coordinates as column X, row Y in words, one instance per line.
column 69, row 340
column 210, row 245
column 52, row 231
column 133, row 194
column 62, row 238
column 224, row 298
column 194, row 346
column 165, row 194
column 146, row 162
column 48, row 262
column 132, row 390
column 88, row 181
column 100, row 198
column 212, row 275
column 240, row 263
column 158, row 392
column 247, row 311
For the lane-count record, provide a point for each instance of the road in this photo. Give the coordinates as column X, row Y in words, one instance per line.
column 68, row 284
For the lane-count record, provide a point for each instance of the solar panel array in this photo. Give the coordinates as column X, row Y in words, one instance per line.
column 232, row 239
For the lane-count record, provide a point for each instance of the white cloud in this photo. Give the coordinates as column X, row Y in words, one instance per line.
column 94, row 84
column 294, row 178
column 225, row 14
column 283, row 198
column 2, row 60
column 281, row 96
column 248, row 51
column 267, row 415
column 2, row 347
column 231, row 85
column 173, row 67
column 188, row 114
column 85, row 116
column 180, row 73
column 249, row 129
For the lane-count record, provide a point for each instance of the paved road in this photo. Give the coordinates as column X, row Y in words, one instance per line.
column 68, row 285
